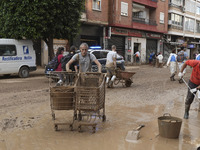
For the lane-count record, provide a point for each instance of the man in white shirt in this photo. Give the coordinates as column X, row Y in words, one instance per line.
column 137, row 56
column 160, row 60
column 111, row 66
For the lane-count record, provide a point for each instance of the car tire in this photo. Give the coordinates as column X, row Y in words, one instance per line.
column 23, row 72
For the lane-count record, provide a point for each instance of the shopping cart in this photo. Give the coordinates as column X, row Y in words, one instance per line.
column 63, row 97
column 90, row 99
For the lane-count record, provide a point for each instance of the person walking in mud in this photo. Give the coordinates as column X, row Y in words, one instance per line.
column 84, row 60
column 194, row 83
column 182, row 56
column 172, row 62
column 160, row 60
column 137, row 57
column 59, row 55
column 111, row 66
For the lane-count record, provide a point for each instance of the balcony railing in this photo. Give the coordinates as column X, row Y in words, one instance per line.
column 144, row 21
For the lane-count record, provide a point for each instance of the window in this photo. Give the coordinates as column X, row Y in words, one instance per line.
column 177, row 2
column 162, row 17
column 198, row 26
column 190, row 6
column 177, row 20
column 124, row 9
column 8, row 50
column 96, row 4
column 198, row 10
column 104, row 54
column 189, row 24
column 138, row 11
column 138, row 14
column 96, row 54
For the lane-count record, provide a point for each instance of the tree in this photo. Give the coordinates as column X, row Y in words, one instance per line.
column 40, row 19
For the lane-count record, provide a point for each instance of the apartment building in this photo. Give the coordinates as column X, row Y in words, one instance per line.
column 129, row 24
column 140, row 24
column 184, row 24
column 94, row 22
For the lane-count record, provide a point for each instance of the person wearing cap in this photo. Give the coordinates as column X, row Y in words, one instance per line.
column 194, row 83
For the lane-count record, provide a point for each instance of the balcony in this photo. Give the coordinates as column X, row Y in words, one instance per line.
column 144, row 24
column 150, row 3
column 144, row 21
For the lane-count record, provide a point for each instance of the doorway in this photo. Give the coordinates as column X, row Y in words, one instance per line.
column 137, row 47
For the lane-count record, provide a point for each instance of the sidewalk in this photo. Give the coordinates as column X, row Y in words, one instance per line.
column 40, row 71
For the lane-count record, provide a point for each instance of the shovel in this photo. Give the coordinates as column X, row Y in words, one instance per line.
column 133, row 135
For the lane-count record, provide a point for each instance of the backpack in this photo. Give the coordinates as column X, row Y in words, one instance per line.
column 180, row 57
column 64, row 60
column 53, row 64
column 173, row 58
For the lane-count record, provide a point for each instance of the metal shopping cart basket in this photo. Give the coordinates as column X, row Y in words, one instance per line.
column 63, row 97
column 90, row 99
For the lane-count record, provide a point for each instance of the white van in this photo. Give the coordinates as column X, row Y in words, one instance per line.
column 17, row 56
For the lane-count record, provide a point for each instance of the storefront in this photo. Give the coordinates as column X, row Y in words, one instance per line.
column 90, row 34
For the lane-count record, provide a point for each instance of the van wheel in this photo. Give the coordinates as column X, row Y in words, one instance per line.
column 24, row 72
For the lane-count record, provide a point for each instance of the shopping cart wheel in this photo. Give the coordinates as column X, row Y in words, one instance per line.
column 94, row 129
column 79, row 128
column 75, row 116
column 71, row 127
column 53, row 116
column 56, row 127
column 79, row 117
column 128, row 83
column 104, row 118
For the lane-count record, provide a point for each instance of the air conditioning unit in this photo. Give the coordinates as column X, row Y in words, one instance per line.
column 169, row 22
column 169, row 38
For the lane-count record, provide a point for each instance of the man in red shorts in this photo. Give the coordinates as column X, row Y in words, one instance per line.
column 193, row 83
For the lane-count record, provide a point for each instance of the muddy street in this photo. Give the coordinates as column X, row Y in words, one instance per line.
column 26, row 122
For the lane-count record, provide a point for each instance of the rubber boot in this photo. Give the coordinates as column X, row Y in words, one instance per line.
column 187, row 108
column 173, row 79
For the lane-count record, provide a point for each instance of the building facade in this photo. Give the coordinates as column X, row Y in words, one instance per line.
column 131, row 25
column 184, row 24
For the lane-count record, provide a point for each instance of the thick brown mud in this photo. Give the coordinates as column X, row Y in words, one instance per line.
column 26, row 121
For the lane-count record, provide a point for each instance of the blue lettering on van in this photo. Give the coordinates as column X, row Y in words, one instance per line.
column 10, row 58
column 27, row 57
column 25, row 50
